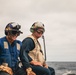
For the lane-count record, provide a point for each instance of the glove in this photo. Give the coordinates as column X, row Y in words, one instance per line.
column 7, row 69
column 30, row 72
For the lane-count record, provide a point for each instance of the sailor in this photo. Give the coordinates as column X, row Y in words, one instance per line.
column 31, row 54
column 10, row 49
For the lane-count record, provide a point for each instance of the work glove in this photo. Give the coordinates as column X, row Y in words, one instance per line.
column 30, row 72
column 4, row 67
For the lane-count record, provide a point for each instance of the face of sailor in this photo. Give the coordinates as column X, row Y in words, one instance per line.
column 38, row 33
column 12, row 36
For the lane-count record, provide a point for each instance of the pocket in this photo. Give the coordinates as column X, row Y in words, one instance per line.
column 5, row 51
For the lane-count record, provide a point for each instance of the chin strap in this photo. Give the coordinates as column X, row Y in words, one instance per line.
column 44, row 46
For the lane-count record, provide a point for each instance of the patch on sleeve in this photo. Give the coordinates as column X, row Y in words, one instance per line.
column 5, row 45
column 18, row 46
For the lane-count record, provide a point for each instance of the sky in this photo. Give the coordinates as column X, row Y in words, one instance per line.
column 58, row 16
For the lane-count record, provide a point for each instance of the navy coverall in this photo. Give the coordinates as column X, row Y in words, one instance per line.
column 9, row 53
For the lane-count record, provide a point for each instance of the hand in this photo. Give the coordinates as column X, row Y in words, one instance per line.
column 6, row 69
column 36, row 63
column 30, row 72
column 45, row 65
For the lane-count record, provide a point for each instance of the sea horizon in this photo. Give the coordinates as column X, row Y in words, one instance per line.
column 63, row 67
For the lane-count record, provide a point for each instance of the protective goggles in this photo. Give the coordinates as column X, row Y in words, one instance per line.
column 14, row 32
column 40, row 31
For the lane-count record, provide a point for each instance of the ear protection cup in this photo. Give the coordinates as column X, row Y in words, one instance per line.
column 6, row 32
column 31, row 30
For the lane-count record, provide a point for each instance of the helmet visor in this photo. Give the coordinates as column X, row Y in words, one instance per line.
column 15, row 32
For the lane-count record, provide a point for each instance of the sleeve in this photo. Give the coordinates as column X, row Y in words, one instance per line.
column 0, row 45
column 27, row 45
column 0, row 52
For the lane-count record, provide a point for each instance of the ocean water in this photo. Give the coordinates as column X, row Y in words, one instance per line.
column 63, row 68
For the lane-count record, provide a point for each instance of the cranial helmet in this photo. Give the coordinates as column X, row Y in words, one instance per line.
column 36, row 26
column 12, row 28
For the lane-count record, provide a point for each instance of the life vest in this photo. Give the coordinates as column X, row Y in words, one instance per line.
column 36, row 54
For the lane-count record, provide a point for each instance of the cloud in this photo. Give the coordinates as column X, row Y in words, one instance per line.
column 58, row 17
column 47, row 6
